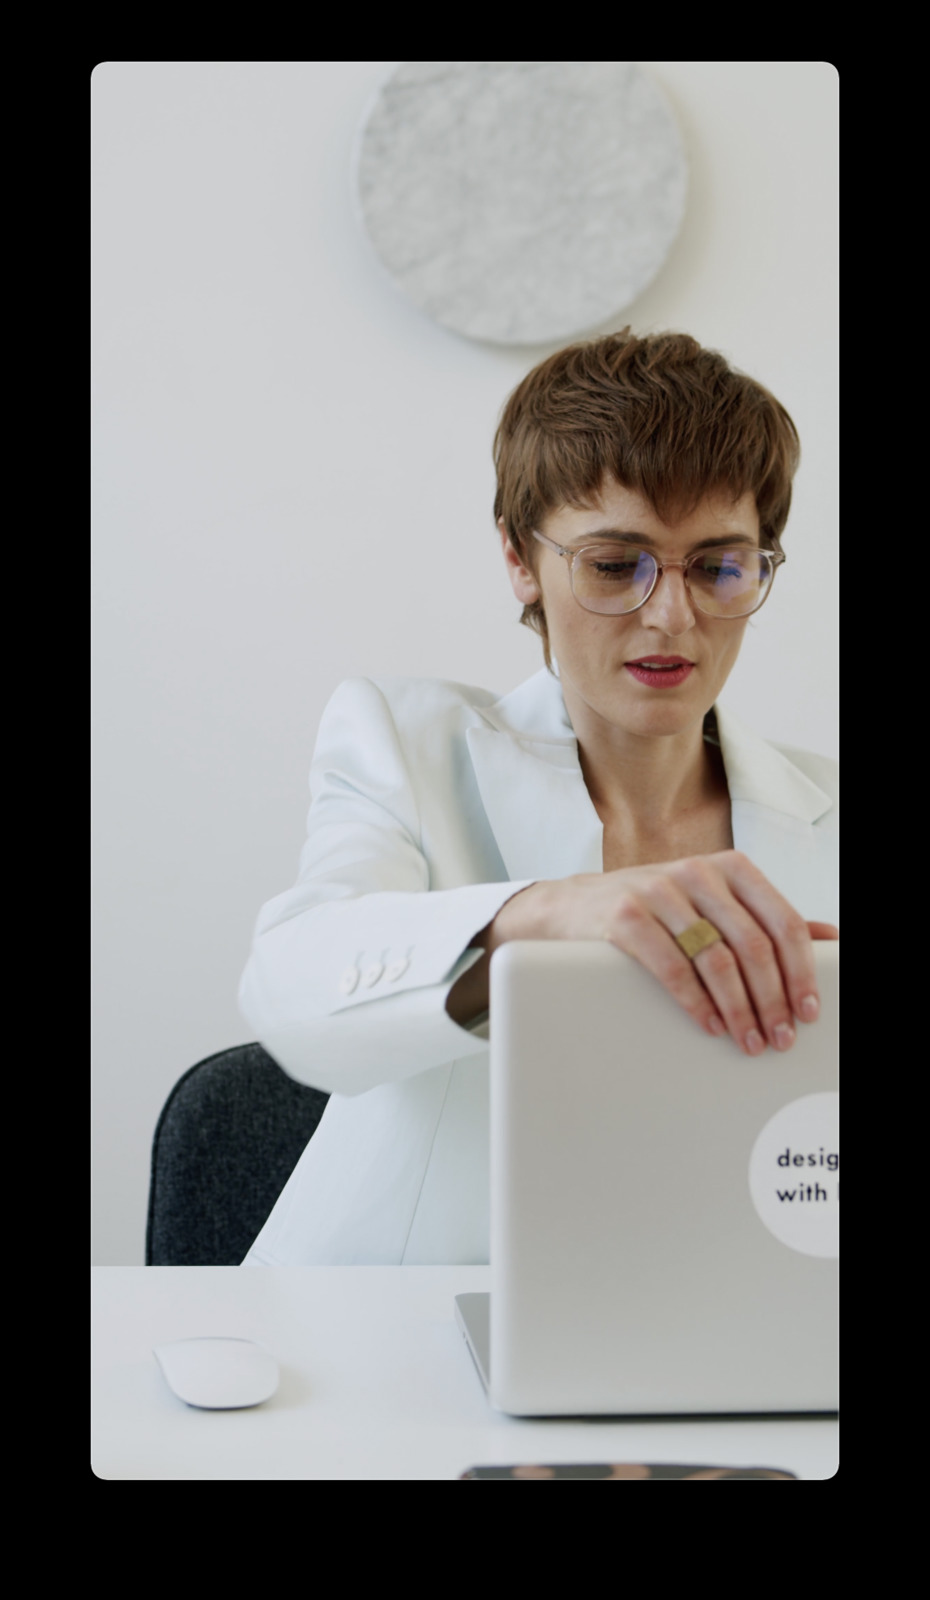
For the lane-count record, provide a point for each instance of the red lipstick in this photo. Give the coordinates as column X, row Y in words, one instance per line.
column 660, row 672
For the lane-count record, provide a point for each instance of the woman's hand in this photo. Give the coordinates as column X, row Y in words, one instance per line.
column 752, row 983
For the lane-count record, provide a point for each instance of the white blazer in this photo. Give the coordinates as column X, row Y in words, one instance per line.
column 432, row 804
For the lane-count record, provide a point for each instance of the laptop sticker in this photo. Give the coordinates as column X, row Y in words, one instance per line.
column 794, row 1175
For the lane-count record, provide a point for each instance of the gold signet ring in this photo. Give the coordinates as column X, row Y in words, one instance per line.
column 697, row 938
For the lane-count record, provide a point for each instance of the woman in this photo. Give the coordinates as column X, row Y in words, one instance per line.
column 642, row 489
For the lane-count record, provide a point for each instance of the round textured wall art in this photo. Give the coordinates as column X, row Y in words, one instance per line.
column 521, row 201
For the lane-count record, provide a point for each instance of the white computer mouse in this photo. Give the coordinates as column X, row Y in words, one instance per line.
column 218, row 1374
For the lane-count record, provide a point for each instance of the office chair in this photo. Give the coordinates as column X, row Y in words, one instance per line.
column 228, row 1138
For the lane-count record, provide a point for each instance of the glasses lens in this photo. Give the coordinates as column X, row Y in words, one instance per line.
column 612, row 577
column 730, row 583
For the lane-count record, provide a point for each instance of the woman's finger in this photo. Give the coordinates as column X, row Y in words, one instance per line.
column 756, row 1004
column 711, row 987
column 766, row 1017
column 775, row 921
column 635, row 929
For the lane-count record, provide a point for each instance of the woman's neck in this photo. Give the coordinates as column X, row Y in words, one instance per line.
column 654, row 779
column 659, row 804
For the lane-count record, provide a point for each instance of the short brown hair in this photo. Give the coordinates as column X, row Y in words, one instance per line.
column 660, row 414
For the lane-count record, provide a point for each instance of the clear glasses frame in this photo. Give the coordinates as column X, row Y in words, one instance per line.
column 774, row 559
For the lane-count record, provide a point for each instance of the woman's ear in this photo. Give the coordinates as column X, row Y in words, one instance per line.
column 522, row 582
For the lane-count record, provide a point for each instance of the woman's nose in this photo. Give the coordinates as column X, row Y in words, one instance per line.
column 669, row 605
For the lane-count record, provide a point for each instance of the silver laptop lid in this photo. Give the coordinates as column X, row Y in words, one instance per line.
column 664, row 1209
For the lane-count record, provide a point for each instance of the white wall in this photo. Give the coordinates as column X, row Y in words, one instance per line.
column 293, row 483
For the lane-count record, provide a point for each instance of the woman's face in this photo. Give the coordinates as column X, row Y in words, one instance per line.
column 604, row 661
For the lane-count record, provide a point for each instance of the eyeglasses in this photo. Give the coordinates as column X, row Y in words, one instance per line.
column 614, row 578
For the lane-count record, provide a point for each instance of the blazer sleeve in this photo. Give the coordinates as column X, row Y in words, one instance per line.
column 349, row 970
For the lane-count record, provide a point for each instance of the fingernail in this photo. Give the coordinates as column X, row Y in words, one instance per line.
column 809, row 1008
column 716, row 1025
column 783, row 1035
column 755, row 1043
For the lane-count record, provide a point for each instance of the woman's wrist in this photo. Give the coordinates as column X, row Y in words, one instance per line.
column 520, row 917
column 468, row 997
column 524, row 916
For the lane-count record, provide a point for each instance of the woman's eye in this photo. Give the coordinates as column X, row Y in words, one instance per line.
column 721, row 569
column 612, row 566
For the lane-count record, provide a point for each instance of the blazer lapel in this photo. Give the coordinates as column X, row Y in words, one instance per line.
column 526, row 765
column 781, row 819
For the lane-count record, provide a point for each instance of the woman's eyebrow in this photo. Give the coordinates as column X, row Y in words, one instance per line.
column 723, row 541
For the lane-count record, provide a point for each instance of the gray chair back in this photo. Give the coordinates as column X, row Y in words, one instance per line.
column 228, row 1138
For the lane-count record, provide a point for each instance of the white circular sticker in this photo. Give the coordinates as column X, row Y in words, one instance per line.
column 794, row 1174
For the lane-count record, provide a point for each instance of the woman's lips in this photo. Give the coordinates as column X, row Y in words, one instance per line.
column 660, row 672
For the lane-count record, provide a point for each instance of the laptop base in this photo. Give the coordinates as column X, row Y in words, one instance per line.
column 473, row 1315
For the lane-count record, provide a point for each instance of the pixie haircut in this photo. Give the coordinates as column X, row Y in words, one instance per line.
column 661, row 415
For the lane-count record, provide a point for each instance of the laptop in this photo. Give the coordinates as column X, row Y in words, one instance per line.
column 664, row 1208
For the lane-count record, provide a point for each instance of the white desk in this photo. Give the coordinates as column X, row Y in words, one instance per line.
column 376, row 1382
